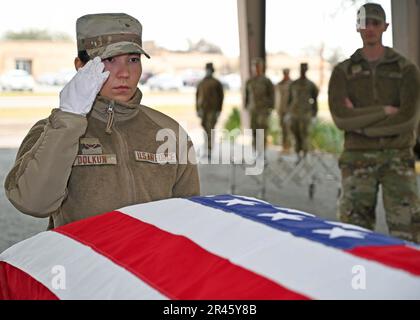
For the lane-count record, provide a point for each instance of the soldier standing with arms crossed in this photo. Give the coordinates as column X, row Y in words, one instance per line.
column 259, row 100
column 303, row 107
column 209, row 102
column 374, row 98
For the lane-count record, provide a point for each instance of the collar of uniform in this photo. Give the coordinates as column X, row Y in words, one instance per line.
column 122, row 110
column 302, row 80
column 389, row 56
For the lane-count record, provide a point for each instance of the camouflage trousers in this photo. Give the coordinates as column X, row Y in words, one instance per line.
column 285, row 131
column 259, row 120
column 363, row 172
column 208, row 122
column 300, row 129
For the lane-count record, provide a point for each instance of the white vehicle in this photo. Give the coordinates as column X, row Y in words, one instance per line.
column 165, row 81
column 17, row 80
column 64, row 76
column 191, row 77
column 46, row 79
column 231, row 81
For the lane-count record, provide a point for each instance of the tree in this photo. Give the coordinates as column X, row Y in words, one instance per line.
column 203, row 46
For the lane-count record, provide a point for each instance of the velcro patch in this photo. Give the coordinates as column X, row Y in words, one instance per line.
column 90, row 146
column 356, row 69
column 395, row 75
column 95, row 160
column 160, row 158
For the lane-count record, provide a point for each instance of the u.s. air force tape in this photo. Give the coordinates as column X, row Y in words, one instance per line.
column 158, row 158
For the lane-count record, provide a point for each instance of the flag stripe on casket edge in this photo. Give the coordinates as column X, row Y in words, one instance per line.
column 72, row 270
column 20, row 285
column 154, row 256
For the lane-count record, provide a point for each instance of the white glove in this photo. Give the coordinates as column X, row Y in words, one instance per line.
column 79, row 94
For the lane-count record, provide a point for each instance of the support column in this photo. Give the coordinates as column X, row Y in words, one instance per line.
column 406, row 28
column 251, row 19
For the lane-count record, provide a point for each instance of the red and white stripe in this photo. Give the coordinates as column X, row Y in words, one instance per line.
column 89, row 275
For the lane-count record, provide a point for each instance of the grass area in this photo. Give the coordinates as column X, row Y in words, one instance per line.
column 24, row 113
column 27, row 94
column 323, row 106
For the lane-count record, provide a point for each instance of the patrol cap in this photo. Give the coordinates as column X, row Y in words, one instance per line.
column 371, row 11
column 209, row 66
column 109, row 34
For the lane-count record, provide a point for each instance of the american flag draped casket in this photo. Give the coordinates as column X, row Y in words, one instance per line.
column 215, row 247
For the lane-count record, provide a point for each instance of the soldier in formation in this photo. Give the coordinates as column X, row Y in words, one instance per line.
column 259, row 100
column 303, row 108
column 209, row 102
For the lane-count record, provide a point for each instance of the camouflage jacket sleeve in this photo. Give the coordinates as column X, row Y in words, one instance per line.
column 221, row 96
column 315, row 93
column 290, row 97
column 270, row 94
column 197, row 93
column 407, row 117
column 277, row 98
column 187, row 182
column 247, row 95
column 37, row 183
column 345, row 118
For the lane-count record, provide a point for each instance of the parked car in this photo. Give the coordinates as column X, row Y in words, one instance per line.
column 165, row 81
column 145, row 76
column 17, row 80
column 231, row 81
column 191, row 78
column 47, row 79
column 64, row 76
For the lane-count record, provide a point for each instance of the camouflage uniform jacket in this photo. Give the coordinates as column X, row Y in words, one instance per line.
column 68, row 168
column 209, row 95
column 282, row 101
column 395, row 81
column 303, row 99
column 259, row 95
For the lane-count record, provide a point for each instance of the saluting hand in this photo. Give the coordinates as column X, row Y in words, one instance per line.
column 79, row 94
column 390, row 110
column 348, row 103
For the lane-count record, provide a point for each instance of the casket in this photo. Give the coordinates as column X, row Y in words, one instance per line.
column 204, row 248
